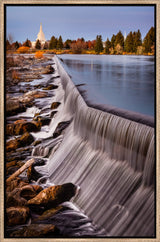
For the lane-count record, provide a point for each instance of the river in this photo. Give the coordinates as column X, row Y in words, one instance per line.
column 126, row 82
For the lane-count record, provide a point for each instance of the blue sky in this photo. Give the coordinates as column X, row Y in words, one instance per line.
column 72, row 22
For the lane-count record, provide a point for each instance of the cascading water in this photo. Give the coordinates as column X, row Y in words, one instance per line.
column 112, row 160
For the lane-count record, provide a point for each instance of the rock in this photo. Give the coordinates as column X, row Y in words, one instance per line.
column 25, row 139
column 17, row 215
column 48, row 70
column 14, row 106
column 20, row 195
column 12, row 166
column 15, row 183
column 60, row 127
column 48, row 214
column 55, row 105
column 43, row 120
column 12, row 145
column 24, row 126
column 30, row 191
column 50, row 87
column 53, row 196
column 35, row 230
column 14, row 198
column 32, row 174
column 53, row 113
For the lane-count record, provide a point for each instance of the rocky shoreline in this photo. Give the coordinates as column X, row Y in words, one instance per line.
column 31, row 210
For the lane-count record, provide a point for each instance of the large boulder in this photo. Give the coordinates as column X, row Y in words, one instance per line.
column 48, row 70
column 25, row 139
column 35, row 231
column 20, row 195
column 55, row 105
column 14, row 106
column 15, row 183
column 22, row 126
column 17, row 215
column 53, row 196
column 60, row 127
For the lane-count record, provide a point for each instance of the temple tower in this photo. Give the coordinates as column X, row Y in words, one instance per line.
column 41, row 35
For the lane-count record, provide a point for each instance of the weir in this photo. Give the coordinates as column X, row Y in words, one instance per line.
column 112, row 160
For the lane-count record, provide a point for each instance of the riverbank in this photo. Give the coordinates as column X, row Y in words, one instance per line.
column 69, row 51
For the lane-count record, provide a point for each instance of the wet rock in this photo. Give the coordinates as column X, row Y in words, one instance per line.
column 53, row 113
column 48, row 70
column 17, row 215
column 13, row 166
column 35, row 230
column 43, row 120
column 19, row 154
column 37, row 142
column 25, row 139
column 48, row 214
column 14, row 198
column 12, row 145
column 53, row 196
column 60, row 127
column 55, row 105
column 14, row 106
column 32, row 174
column 30, row 191
column 24, row 126
column 19, row 195
column 50, row 87
column 15, row 183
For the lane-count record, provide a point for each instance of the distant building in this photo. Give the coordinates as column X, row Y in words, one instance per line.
column 40, row 36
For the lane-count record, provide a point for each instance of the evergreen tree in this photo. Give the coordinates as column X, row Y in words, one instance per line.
column 60, row 43
column 129, row 44
column 149, row 40
column 45, row 47
column 119, row 39
column 67, row 44
column 113, row 39
column 16, row 45
column 99, row 44
column 107, row 46
column 53, row 43
column 27, row 43
column 38, row 44
column 137, row 40
column 8, row 45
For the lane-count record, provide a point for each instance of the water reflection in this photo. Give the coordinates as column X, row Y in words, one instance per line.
column 123, row 81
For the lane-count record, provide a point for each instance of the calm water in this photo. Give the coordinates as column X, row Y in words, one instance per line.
column 126, row 82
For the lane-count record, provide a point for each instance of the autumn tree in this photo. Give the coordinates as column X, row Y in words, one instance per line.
column 17, row 45
column 38, row 44
column 149, row 41
column 99, row 44
column 107, row 46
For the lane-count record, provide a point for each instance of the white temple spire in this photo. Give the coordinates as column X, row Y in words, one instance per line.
column 41, row 35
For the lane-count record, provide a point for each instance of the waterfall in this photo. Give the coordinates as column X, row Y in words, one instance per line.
column 112, row 160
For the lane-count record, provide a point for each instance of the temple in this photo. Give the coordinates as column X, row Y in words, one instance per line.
column 40, row 36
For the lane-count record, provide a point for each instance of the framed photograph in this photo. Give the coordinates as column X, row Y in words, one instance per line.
column 79, row 120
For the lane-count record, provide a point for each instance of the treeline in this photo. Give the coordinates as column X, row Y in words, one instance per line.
column 119, row 44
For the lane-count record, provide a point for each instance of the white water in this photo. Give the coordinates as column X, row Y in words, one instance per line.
column 110, row 158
